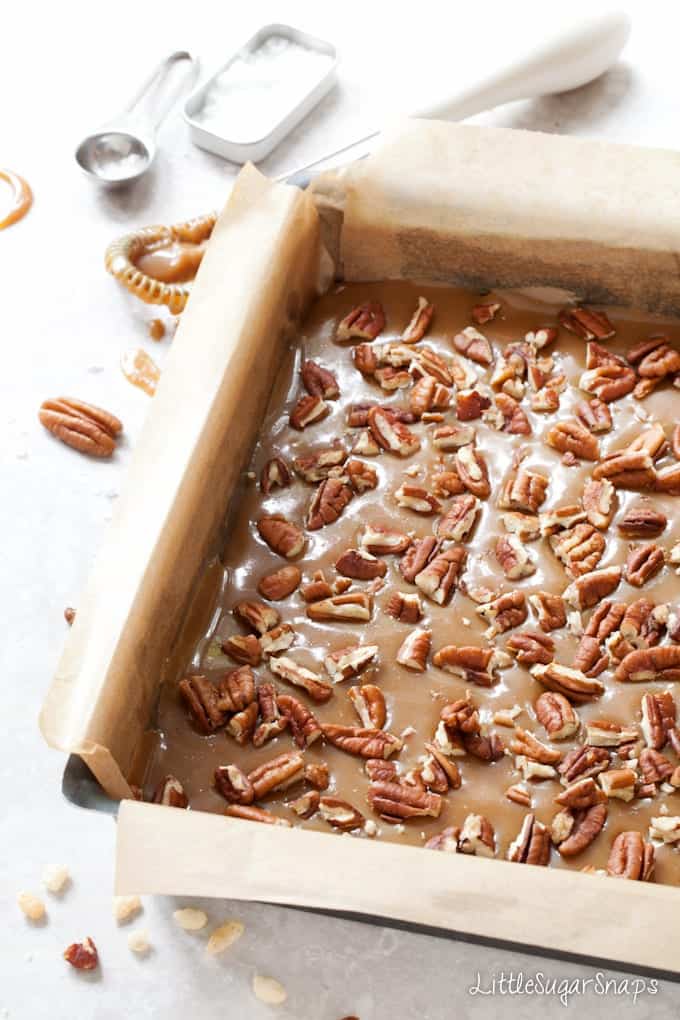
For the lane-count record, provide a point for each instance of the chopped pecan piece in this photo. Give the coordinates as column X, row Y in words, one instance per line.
column 523, row 490
column 452, row 437
column 360, row 565
column 668, row 481
column 583, row 762
column 317, row 775
column 627, row 469
column 589, row 589
column 421, row 397
column 504, row 612
column 390, row 434
column 609, row 381
column 477, row 837
column 447, row 483
column 237, row 689
column 595, row 415
column 303, row 724
column 346, row 663
column 513, row 557
column 532, row 845
column 579, row 548
column 565, row 680
column 644, row 347
column 418, row 556
column 587, row 823
column 470, row 662
column 643, row 563
column 519, row 794
column 306, row 805
column 234, row 784
column 486, row 747
column 279, row 639
column 355, row 606
column 562, row 518
column 605, row 733
column 483, row 313
column 243, row 648
column 415, row 497
column 276, row 774
column 362, row 477
column 82, row 955
column 658, row 717
column 472, row 471
column 365, row 322
column 458, row 521
column 170, row 792
column 589, row 657
column 330, row 499
column 550, row 610
column 366, row 742
column 630, row 857
column 250, row 813
column 530, row 648
column 556, row 715
column 663, row 360
column 474, row 345
column 275, row 475
column 369, row 704
column 642, row 522
column 605, row 620
column 404, row 607
column 256, row 615
column 515, row 420
column 365, row 444
column 382, row 541
column 525, row 526
column 280, row 583
column 307, row 411
column 655, row 766
column 415, row 649
column 439, row 578
column 581, row 794
column 572, row 437
column 319, row 381
column 391, row 378
column 526, row 744
column 419, row 323
column 242, row 724
column 642, row 624
column 425, row 361
column 287, row 669
column 272, row 721
column 470, row 403
column 598, row 501
column 398, row 801
column 446, row 840
column 665, row 828
column 315, row 467
column 340, row 814
column 203, row 701
column 586, row 323
column 438, row 772
column 316, row 589
column 282, row 536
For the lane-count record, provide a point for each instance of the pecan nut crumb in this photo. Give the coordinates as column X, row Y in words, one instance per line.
column 82, row 955
column 86, row 428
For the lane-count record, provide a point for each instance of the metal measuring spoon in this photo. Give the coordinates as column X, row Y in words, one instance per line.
column 124, row 148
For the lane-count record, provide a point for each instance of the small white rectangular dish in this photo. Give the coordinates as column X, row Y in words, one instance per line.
column 261, row 93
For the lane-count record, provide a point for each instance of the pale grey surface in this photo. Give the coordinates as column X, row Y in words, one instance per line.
column 64, row 327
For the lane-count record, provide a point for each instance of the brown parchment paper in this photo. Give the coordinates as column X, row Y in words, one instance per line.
column 438, row 202
column 260, row 270
column 498, row 207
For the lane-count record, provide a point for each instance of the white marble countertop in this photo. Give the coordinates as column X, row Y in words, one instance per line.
column 64, row 68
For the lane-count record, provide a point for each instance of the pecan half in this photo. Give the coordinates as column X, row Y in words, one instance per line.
column 452, row 437
column 556, row 715
column 365, row 322
column 627, row 469
column 472, row 471
column 513, row 557
column 303, row 724
column 583, row 762
column 572, row 437
column 658, row 717
column 340, row 814
column 315, row 467
column 589, row 589
column 644, row 347
column 526, row 744
column 404, row 607
column 595, row 415
column 532, row 844
column 243, row 648
column 202, row 698
column 319, row 381
column 477, row 837
column 287, row 669
column 598, row 502
column 470, row 662
column 276, row 774
column 504, row 612
column 381, row 541
column 275, row 475
column 579, row 548
column 529, row 648
column 589, row 657
column 369, row 704
column 280, row 583
column 256, row 615
column 458, row 521
column 474, row 345
column 250, row 813
column 663, row 360
column 609, row 381
column 354, row 606
column 360, row 565
column 330, row 499
column 525, row 526
column 364, row 742
column 392, row 435
column 346, row 663
column 655, row 766
column 234, row 784
column 567, row 681
column 170, row 792
column 587, row 825
column 439, row 578
column 415, row 497
column 582, row 794
column 419, row 323
column 586, row 323
column 282, row 536
column 642, row 522
column 307, row 411
column 415, row 649
column 550, row 610
column 643, row 563
column 86, row 428
column 523, row 490
column 398, row 801
column 630, row 857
